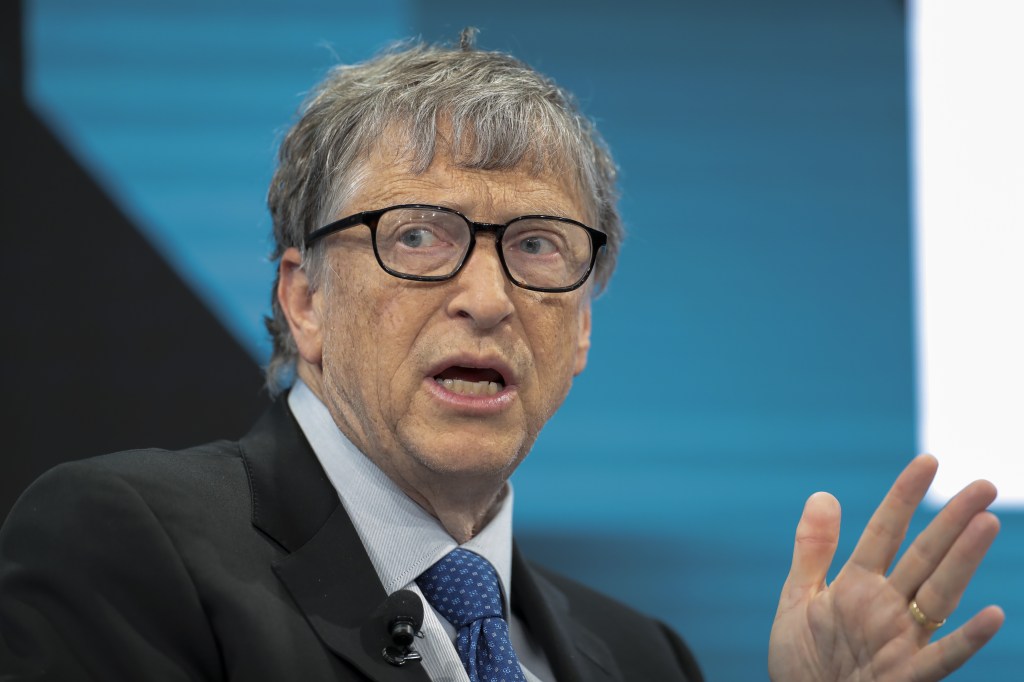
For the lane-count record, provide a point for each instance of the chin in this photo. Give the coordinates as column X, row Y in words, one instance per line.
column 470, row 456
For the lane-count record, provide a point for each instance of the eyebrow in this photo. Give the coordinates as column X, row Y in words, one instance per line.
column 540, row 209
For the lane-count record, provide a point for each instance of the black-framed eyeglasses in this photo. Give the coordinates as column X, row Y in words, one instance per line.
column 431, row 244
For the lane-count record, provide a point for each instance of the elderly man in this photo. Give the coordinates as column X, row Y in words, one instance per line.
column 443, row 218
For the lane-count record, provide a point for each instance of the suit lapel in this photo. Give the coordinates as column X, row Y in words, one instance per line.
column 326, row 569
column 330, row 577
column 574, row 653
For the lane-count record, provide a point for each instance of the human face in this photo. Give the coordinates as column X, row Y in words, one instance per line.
column 385, row 342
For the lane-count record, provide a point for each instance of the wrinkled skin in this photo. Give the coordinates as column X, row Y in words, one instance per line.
column 370, row 343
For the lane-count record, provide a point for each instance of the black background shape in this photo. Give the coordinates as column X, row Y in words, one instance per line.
column 105, row 347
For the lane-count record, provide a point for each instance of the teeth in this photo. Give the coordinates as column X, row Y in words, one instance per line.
column 470, row 387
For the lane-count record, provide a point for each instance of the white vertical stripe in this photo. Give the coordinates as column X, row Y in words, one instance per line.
column 969, row 198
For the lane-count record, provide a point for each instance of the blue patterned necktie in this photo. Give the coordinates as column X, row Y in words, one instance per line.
column 463, row 587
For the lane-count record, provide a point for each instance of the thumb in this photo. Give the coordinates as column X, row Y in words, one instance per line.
column 817, row 536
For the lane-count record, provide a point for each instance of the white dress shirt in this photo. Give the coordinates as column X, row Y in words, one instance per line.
column 403, row 540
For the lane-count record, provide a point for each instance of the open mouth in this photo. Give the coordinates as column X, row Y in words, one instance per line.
column 471, row 380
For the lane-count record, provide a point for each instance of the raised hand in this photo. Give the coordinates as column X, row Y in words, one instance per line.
column 862, row 627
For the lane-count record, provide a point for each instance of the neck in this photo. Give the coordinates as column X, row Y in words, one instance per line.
column 463, row 504
column 463, row 518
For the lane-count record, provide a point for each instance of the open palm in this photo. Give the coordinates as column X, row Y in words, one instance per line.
column 860, row 626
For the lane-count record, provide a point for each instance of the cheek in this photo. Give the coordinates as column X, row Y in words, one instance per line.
column 350, row 337
column 374, row 341
column 554, row 335
column 347, row 338
column 398, row 318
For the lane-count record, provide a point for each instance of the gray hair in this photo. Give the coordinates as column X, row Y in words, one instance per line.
column 498, row 112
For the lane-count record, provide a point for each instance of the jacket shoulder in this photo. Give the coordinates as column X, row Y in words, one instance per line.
column 86, row 544
column 149, row 470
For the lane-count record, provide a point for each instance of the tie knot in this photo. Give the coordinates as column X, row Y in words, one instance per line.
column 463, row 587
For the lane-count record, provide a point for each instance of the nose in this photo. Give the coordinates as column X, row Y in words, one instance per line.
column 481, row 288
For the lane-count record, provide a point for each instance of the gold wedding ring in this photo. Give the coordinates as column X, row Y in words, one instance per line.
column 923, row 620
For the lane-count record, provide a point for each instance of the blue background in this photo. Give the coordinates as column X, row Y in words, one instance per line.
column 757, row 341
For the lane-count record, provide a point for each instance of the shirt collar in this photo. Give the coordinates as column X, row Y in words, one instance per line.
column 401, row 538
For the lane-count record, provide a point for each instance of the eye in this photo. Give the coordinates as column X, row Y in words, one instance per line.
column 417, row 238
column 536, row 245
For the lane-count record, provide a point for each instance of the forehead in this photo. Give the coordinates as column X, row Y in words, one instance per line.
column 388, row 176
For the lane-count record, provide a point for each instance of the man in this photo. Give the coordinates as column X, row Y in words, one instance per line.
column 442, row 221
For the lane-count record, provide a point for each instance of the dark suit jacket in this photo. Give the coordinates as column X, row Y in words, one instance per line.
column 237, row 561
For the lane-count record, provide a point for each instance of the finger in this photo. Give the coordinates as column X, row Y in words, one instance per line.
column 942, row 657
column 931, row 546
column 941, row 592
column 817, row 536
column 885, row 531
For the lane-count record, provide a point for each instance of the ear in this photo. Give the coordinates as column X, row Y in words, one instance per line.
column 583, row 337
column 301, row 306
